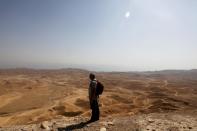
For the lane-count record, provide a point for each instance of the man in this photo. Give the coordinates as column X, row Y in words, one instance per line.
column 93, row 98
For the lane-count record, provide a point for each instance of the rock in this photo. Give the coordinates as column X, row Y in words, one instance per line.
column 110, row 123
column 51, row 110
column 150, row 121
column 107, row 123
column 103, row 129
column 131, row 113
column 104, row 123
column 45, row 125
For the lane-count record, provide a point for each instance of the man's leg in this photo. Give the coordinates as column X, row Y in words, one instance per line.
column 95, row 111
column 92, row 108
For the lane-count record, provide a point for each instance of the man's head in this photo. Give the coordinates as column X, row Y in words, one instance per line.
column 92, row 76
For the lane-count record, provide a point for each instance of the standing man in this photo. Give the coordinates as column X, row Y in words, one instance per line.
column 93, row 98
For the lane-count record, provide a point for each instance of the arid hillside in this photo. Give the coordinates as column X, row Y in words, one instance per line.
column 30, row 96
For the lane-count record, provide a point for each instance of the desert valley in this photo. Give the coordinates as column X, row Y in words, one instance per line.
column 29, row 96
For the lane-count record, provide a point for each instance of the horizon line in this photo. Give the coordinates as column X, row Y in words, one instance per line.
column 74, row 68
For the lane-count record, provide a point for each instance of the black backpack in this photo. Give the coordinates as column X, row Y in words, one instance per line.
column 99, row 88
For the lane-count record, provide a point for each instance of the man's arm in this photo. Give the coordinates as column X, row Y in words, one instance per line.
column 93, row 91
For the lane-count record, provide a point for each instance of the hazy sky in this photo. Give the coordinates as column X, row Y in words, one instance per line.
column 99, row 34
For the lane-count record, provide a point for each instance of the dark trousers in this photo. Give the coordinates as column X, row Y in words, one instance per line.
column 95, row 110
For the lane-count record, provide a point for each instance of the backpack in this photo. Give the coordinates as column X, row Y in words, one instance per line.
column 99, row 88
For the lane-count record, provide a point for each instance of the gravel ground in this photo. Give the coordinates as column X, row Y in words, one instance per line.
column 145, row 122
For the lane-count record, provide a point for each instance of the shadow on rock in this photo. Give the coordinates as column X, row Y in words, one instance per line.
column 74, row 126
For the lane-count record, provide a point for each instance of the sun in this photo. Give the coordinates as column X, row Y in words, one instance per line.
column 127, row 14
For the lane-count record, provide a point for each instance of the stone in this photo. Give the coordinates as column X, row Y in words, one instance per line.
column 45, row 125
column 104, row 123
column 110, row 123
column 150, row 121
column 103, row 129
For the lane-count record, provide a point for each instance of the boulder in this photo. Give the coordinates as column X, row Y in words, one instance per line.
column 45, row 125
column 103, row 129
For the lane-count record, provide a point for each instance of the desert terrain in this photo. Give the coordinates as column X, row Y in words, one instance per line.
column 29, row 96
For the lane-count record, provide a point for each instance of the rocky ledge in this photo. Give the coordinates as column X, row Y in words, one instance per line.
column 144, row 122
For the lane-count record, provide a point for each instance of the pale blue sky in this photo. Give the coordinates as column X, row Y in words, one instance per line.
column 104, row 35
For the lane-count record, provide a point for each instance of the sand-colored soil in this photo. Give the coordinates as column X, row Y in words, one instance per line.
column 31, row 96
